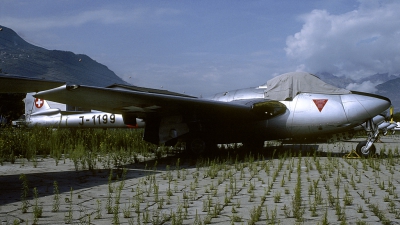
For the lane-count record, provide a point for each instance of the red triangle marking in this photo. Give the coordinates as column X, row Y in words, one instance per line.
column 320, row 103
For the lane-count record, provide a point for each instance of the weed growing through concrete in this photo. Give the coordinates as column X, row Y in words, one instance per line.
column 298, row 211
column 69, row 216
column 56, row 197
column 37, row 209
column 24, row 195
column 277, row 197
column 115, row 219
column 98, row 209
column 255, row 214
column 378, row 213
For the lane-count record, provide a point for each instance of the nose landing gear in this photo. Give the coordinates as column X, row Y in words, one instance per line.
column 367, row 148
column 363, row 151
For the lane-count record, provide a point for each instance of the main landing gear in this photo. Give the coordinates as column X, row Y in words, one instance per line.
column 196, row 146
column 367, row 148
column 200, row 146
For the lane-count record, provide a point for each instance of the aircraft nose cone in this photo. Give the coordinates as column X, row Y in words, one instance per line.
column 360, row 106
column 373, row 104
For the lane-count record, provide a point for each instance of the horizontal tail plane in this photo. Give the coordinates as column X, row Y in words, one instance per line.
column 39, row 113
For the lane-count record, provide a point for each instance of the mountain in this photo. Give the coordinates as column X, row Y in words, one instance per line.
column 391, row 89
column 22, row 58
column 329, row 78
column 389, row 85
column 378, row 78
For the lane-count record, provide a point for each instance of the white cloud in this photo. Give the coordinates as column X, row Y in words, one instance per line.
column 366, row 86
column 361, row 42
column 138, row 16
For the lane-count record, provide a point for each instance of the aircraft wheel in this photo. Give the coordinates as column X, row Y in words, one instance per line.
column 254, row 145
column 196, row 146
column 360, row 149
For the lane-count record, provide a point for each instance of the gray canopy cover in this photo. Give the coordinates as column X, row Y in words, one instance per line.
column 288, row 85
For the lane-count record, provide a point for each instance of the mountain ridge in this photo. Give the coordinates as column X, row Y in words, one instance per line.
column 388, row 84
column 20, row 57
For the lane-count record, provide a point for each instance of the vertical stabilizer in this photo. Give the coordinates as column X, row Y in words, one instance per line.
column 34, row 105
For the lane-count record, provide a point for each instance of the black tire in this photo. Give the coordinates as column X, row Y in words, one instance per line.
column 361, row 152
column 196, row 146
column 200, row 147
column 254, row 145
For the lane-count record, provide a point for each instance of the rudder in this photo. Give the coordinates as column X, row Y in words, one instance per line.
column 33, row 105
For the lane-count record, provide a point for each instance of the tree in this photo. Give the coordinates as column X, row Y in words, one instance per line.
column 11, row 106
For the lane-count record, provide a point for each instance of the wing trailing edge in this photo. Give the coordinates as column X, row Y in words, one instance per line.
column 19, row 84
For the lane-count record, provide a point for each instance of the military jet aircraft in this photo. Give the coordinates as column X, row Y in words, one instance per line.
column 39, row 113
column 297, row 106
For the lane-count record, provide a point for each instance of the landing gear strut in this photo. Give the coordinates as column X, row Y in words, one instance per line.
column 363, row 151
column 367, row 148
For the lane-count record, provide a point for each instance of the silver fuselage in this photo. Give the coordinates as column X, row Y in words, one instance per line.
column 309, row 114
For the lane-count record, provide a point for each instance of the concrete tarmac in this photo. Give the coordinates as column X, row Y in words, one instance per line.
column 294, row 185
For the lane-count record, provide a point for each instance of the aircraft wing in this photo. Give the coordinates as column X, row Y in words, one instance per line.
column 19, row 84
column 144, row 104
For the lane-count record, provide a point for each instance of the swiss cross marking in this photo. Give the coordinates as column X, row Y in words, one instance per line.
column 39, row 103
column 320, row 103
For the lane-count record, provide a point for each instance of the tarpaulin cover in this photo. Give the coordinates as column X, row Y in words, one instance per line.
column 288, row 85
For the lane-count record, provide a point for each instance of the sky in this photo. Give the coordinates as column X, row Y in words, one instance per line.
column 207, row 46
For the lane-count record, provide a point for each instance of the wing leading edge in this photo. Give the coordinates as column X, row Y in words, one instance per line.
column 144, row 104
